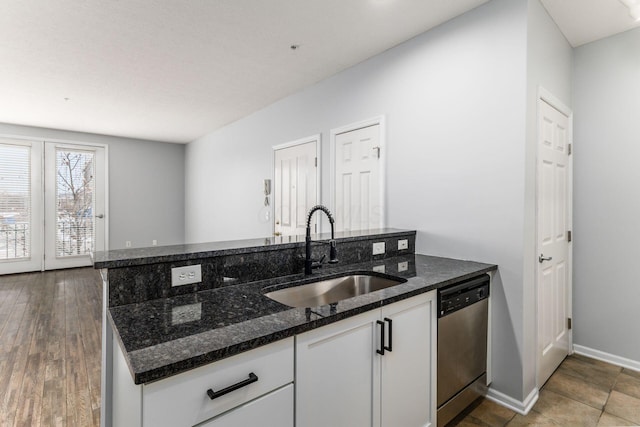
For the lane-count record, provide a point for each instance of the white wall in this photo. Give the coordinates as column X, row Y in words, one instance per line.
column 146, row 185
column 454, row 100
column 549, row 57
column 606, row 103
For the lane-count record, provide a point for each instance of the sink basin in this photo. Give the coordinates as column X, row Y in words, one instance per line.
column 332, row 290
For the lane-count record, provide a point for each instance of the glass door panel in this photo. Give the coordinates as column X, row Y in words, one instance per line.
column 75, row 187
column 20, row 206
column 74, row 194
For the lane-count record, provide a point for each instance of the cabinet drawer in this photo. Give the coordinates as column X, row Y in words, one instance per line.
column 182, row 400
column 273, row 410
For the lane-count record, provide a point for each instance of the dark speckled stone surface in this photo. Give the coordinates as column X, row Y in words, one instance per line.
column 174, row 253
column 167, row 336
column 134, row 282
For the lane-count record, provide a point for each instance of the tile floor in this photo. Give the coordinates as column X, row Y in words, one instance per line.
column 582, row 392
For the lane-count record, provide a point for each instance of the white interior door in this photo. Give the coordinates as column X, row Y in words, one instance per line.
column 358, row 201
column 295, row 186
column 553, row 217
column 74, row 204
column 20, row 206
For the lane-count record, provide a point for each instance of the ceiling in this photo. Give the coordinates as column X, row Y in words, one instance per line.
column 584, row 21
column 173, row 71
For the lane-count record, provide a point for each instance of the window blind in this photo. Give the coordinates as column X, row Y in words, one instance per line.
column 15, row 201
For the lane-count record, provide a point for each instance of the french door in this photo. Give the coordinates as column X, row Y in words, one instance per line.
column 52, row 205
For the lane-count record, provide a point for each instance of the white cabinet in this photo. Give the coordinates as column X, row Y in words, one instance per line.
column 408, row 372
column 342, row 380
column 261, row 376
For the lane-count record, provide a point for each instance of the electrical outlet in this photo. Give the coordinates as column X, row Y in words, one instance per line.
column 378, row 248
column 127, row 244
column 379, row 268
column 403, row 266
column 154, row 242
column 186, row 275
column 403, row 244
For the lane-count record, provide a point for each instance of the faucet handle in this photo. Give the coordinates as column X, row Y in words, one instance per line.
column 333, row 254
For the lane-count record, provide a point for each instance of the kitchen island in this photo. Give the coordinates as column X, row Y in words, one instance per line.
column 160, row 344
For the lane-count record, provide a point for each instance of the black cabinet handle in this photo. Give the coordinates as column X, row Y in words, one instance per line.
column 381, row 351
column 386, row 319
column 215, row 394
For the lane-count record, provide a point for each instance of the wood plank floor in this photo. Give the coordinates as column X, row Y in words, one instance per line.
column 50, row 326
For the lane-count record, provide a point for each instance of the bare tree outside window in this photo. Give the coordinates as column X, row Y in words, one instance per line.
column 75, row 188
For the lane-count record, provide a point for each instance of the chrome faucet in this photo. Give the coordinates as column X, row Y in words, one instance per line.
column 310, row 264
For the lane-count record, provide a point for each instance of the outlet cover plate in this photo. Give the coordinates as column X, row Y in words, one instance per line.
column 378, row 248
column 186, row 275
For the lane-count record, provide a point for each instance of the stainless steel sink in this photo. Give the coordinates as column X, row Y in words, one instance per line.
column 332, row 290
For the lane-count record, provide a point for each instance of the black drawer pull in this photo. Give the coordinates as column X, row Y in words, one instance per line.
column 215, row 394
column 386, row 319
column 381, row 323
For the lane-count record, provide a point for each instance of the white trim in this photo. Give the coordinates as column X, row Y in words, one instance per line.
column 106, row 197
column 377, row 120
column 556, row 103
column 607, row 357
column 300, row 141
column 317, row 138
column 521, row 407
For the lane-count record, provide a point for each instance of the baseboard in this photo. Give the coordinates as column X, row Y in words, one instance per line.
column 522, row 408
column 607, row 357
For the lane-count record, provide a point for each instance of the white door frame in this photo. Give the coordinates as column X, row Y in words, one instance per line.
column 377, row 120
column 40, row 141
column 317, row 138
column 52, row 262
column 549, row 98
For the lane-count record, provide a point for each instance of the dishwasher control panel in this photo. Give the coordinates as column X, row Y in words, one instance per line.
column 456, row 297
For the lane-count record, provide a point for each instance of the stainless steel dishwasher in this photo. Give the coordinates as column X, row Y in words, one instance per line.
column 462, row 346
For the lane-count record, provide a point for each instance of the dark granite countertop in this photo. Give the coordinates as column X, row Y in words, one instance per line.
column 168, row 336
column 155, row 254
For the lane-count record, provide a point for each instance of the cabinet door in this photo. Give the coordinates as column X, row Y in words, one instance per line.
column 273, row 410
column 407, row 392
column 335, row 381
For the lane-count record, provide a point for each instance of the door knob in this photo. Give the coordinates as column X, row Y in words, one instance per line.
column 542, row 258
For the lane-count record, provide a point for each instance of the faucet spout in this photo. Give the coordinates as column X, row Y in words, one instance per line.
column 309, row 264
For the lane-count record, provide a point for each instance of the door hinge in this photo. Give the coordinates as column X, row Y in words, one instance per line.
column 569, row 323
column 569, row 237
column 316, row 162
column 569, row 149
